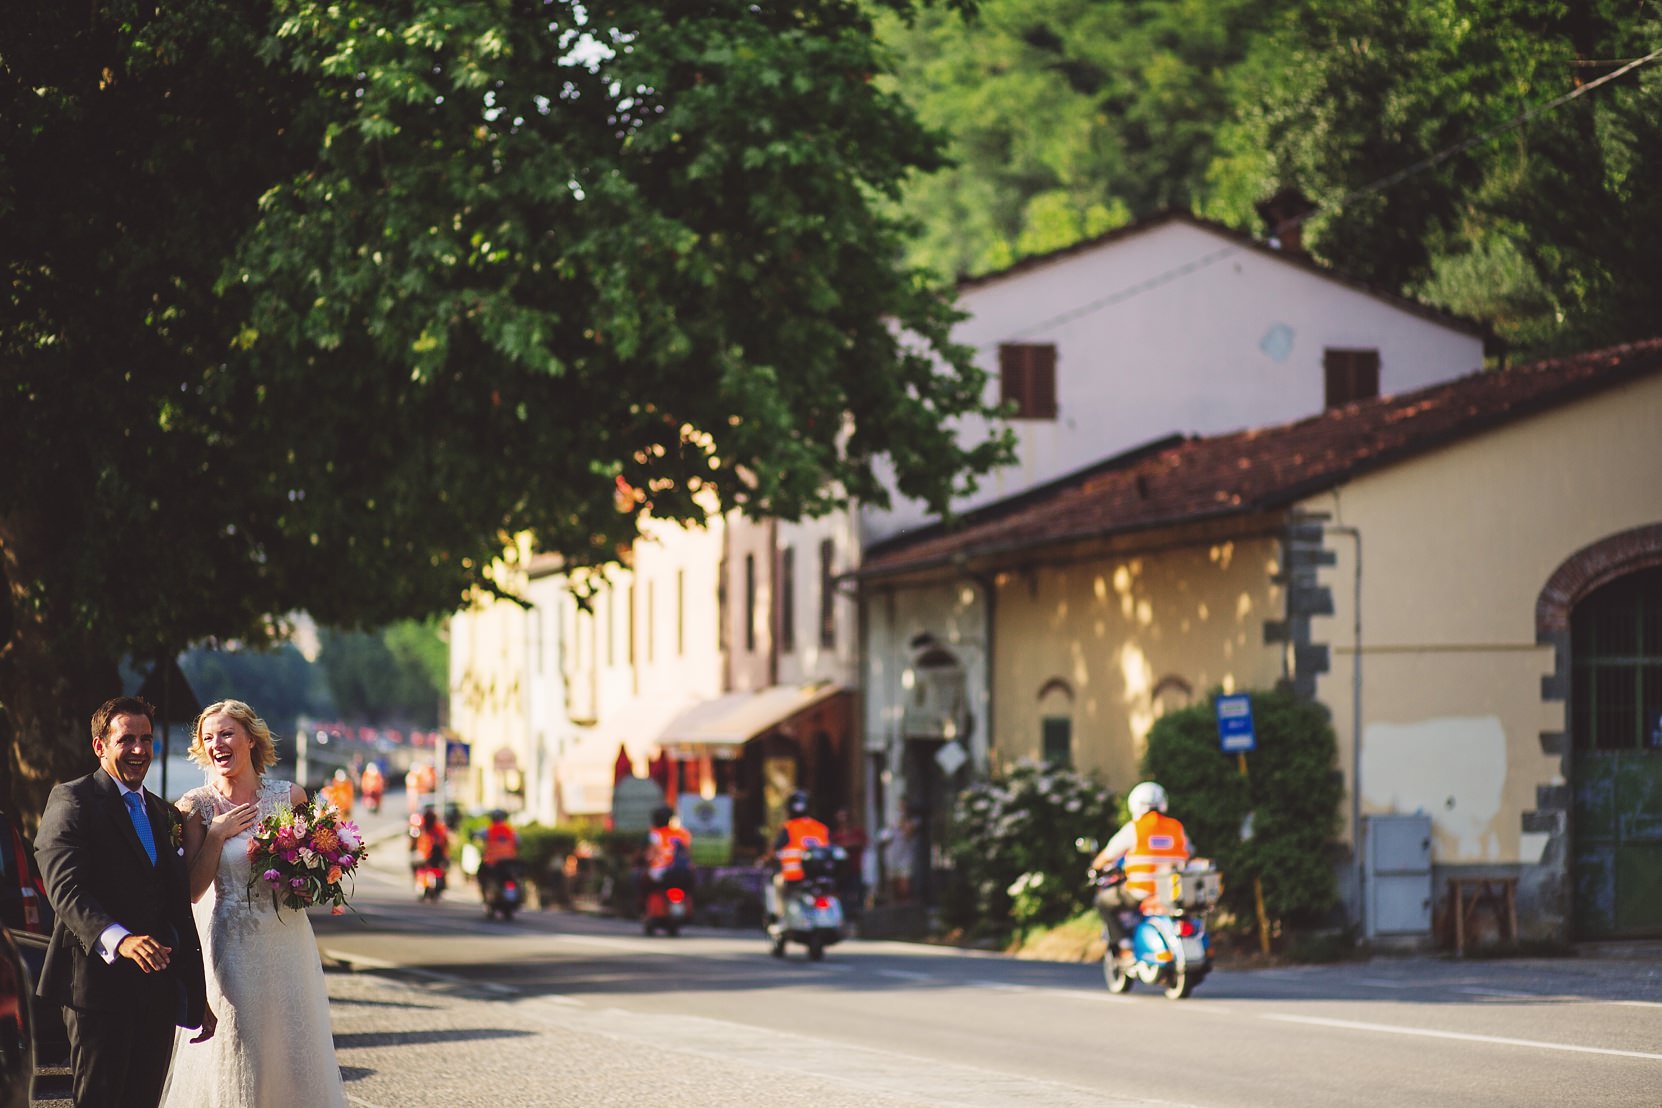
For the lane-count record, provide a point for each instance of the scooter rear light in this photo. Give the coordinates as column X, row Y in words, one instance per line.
column 1187, row 928
column 676, row 896
column 822, row 902
column 510, row 887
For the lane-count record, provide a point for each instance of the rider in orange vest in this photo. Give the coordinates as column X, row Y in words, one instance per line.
column 799, row 831
column 338, row 792
column 668, row 844
column 1151, row 842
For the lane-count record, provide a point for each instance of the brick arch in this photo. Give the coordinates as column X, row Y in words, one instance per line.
column 1590, row 567
column 1573, row 581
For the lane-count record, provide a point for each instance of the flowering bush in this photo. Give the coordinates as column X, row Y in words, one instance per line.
column 304, row 855
column 1013, row 845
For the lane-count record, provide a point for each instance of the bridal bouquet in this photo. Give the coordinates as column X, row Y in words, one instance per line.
column 305, row 854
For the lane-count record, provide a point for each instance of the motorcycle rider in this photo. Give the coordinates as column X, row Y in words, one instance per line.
column 1148, row 842
column 796, row 835
column 668, row 847
column 431, row 849
column 501, row 846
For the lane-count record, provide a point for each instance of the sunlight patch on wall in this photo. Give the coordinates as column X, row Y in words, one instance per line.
column 1222, row 554
column 1451, row 768
column 1138, row 677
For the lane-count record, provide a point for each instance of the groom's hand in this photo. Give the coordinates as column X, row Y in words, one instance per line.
column 210, row 1024
column 150, row 954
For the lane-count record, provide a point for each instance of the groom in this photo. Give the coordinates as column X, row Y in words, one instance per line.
column 124, row 959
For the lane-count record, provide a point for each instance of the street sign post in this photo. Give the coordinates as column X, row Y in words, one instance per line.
column 1235, row 732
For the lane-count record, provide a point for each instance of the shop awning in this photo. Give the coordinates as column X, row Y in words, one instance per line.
column 720, row 727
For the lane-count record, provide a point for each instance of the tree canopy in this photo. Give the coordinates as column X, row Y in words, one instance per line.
column 1431, row 137
column 313, row 305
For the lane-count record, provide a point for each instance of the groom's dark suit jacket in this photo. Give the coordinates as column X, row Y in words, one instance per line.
column 97, row 873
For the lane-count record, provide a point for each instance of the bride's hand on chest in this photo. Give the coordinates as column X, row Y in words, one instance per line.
column 233, row 821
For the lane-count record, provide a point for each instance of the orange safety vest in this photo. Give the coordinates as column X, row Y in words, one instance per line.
column 339, row 794
column 372, row 783
column 436, row 841
column 804, row 832
column 501, row 844
column 661, row 842
column 1161, row 844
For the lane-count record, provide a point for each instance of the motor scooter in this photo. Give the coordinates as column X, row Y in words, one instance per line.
column 430, row 881
column 1170, row 947
column 668, row 903
column 810, row 911
column 502, row 888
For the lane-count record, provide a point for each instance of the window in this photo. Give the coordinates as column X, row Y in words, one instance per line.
column 1057, row 738
column 1616, row 668
column 787, row 599
column 1350, row 375
column 1027, row 379
column 750, row 602
column 827, row 595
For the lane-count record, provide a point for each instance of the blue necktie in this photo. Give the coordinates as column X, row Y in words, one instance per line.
column 141, row 824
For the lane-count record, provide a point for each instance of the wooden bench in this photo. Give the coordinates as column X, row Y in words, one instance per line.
column 1467, row 894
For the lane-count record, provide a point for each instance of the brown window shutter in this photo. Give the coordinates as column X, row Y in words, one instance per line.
column 1351, row 375
column 1027, row 379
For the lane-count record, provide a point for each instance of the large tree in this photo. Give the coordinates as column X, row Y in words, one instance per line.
column 1065, row 118
column 1445, row 163
column 313, row 305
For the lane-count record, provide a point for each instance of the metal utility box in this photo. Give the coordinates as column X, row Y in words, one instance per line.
column 1399, row 875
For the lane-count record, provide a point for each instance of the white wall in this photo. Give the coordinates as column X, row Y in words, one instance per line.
column 1183, row 355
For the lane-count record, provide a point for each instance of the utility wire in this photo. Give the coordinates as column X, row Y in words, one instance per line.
column 1379, row 185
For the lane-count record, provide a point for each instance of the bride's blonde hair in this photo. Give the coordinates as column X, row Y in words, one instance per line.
column 264, row 754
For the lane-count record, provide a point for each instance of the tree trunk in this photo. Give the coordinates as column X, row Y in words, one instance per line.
column 51, row 681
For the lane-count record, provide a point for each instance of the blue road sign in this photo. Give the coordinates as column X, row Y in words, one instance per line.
column 1235, row 733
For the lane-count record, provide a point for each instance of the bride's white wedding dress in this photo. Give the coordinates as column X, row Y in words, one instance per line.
column 265, row 983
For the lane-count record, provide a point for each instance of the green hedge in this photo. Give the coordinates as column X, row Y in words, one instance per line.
column 1014, row 848
column 1292, row 788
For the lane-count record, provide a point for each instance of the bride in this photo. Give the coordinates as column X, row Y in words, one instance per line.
column 265, row 979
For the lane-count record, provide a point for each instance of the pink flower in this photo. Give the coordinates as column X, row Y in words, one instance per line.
column 297, row 882
column 347, row 861
column 272, row 877
column 338, row 910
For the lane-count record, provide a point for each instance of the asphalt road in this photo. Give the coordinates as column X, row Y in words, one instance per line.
column 445, row 1008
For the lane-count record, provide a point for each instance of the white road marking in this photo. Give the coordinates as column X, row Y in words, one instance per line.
column 905, row 975
column 1459, row 1036
column 1469, row 991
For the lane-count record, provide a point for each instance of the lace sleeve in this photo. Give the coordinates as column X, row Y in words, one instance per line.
column 201, row 805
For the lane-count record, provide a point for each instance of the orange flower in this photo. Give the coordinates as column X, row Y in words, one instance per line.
column 325, row 840
column 334, row 875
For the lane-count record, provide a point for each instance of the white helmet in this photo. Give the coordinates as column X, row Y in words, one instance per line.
column 1146, row 797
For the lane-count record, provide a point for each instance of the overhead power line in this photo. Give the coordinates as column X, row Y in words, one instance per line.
column 1378, row 185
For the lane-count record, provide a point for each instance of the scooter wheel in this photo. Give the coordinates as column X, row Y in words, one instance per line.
column 674, row 930
column 1114, row 974
column 778, row 948
column 816, row 949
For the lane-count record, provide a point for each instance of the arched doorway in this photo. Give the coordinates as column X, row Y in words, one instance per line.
column 1615, row 715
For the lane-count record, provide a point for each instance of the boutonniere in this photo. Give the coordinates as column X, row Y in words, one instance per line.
column 176, row 832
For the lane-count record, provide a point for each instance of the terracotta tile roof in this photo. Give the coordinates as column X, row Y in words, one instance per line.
column 1196, row 479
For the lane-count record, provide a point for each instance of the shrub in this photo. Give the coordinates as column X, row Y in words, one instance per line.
column 1013, row 845
column 1291, row 788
